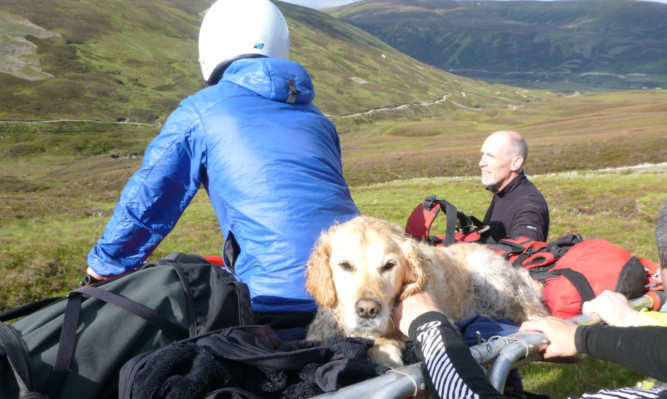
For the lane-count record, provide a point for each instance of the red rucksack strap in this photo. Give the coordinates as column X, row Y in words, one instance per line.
column 459, row 225
column 509, row 247
column 537, row 255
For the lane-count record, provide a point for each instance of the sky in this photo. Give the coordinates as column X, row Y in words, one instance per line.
column 317, row 4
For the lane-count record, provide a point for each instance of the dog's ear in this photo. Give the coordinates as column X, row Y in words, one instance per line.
column 414, row 279
column 319, row 281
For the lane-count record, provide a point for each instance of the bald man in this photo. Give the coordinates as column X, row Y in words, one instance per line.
column 518, row 209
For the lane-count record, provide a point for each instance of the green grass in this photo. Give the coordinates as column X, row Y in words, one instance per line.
column 44, row 253
column 566, row 380
column 59, row 183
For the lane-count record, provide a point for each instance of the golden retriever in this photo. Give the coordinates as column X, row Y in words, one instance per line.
column 358, row 271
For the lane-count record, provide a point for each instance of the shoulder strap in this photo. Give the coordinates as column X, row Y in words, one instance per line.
column 451, row 212
column 422, row 217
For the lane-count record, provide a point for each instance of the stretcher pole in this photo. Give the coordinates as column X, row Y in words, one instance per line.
column 401, row 382
column 523, row 347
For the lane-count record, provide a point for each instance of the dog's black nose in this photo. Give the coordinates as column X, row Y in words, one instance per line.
column 368, row 308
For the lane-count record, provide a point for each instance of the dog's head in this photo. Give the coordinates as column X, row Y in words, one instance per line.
column 360, row 269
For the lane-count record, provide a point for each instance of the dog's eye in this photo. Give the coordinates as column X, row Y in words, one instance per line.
column 389, row 265
column 345, row 265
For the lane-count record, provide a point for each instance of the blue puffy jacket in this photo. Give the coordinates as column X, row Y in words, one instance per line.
column 272, row 170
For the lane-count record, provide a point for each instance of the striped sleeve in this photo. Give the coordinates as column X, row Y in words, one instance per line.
column 448, row 365
column 446, row 380
column 625, row 393
column 452, row 372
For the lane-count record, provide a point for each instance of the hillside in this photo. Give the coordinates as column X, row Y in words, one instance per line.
column 124, row 60
column 610, row 44
column 103, row 76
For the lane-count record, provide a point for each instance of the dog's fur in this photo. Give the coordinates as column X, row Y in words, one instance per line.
column 360, row 269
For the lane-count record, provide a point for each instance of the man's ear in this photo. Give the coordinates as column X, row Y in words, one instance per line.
column 517, row 164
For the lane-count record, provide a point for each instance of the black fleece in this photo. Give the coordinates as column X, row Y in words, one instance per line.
column 518, row 210
column 642, row 349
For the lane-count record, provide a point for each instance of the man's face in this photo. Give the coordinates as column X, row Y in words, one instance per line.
column 495, row 162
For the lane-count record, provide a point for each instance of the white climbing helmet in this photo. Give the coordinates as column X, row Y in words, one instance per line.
column 234, row 29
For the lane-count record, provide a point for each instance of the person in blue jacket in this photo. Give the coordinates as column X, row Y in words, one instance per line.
column 268, row 158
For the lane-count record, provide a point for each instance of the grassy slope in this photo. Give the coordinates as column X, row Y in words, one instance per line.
column 117, row 60
column 528, row 41
column 134, row 60
column 565, row 133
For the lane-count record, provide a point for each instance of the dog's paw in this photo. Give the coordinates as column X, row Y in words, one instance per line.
column 387, row 353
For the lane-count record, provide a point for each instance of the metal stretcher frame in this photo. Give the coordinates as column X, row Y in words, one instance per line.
column 498, row 355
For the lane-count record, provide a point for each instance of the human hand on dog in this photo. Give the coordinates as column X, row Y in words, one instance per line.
column 613, row 308
column 412, row 307
column 559, row 332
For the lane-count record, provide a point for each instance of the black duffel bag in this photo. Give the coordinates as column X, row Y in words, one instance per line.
column 74, row 346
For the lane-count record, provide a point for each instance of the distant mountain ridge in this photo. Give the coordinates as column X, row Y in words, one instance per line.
column 618, row 44
column 135, row 60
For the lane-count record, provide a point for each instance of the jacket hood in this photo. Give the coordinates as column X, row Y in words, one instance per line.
column 270, row 78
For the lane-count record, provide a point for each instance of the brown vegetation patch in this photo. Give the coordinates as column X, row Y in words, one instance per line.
column 11, row 184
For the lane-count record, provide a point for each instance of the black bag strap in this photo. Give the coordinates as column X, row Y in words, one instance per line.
column 65, row 345
column 579, row 282
column 26, row 309
column 450, row 212
column 173, row 331
column 19, row 361
column 67, row 341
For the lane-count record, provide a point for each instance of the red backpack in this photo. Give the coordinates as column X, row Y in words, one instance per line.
column 572, row 270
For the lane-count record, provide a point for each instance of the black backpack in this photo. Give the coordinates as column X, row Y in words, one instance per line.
column 74, row 346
